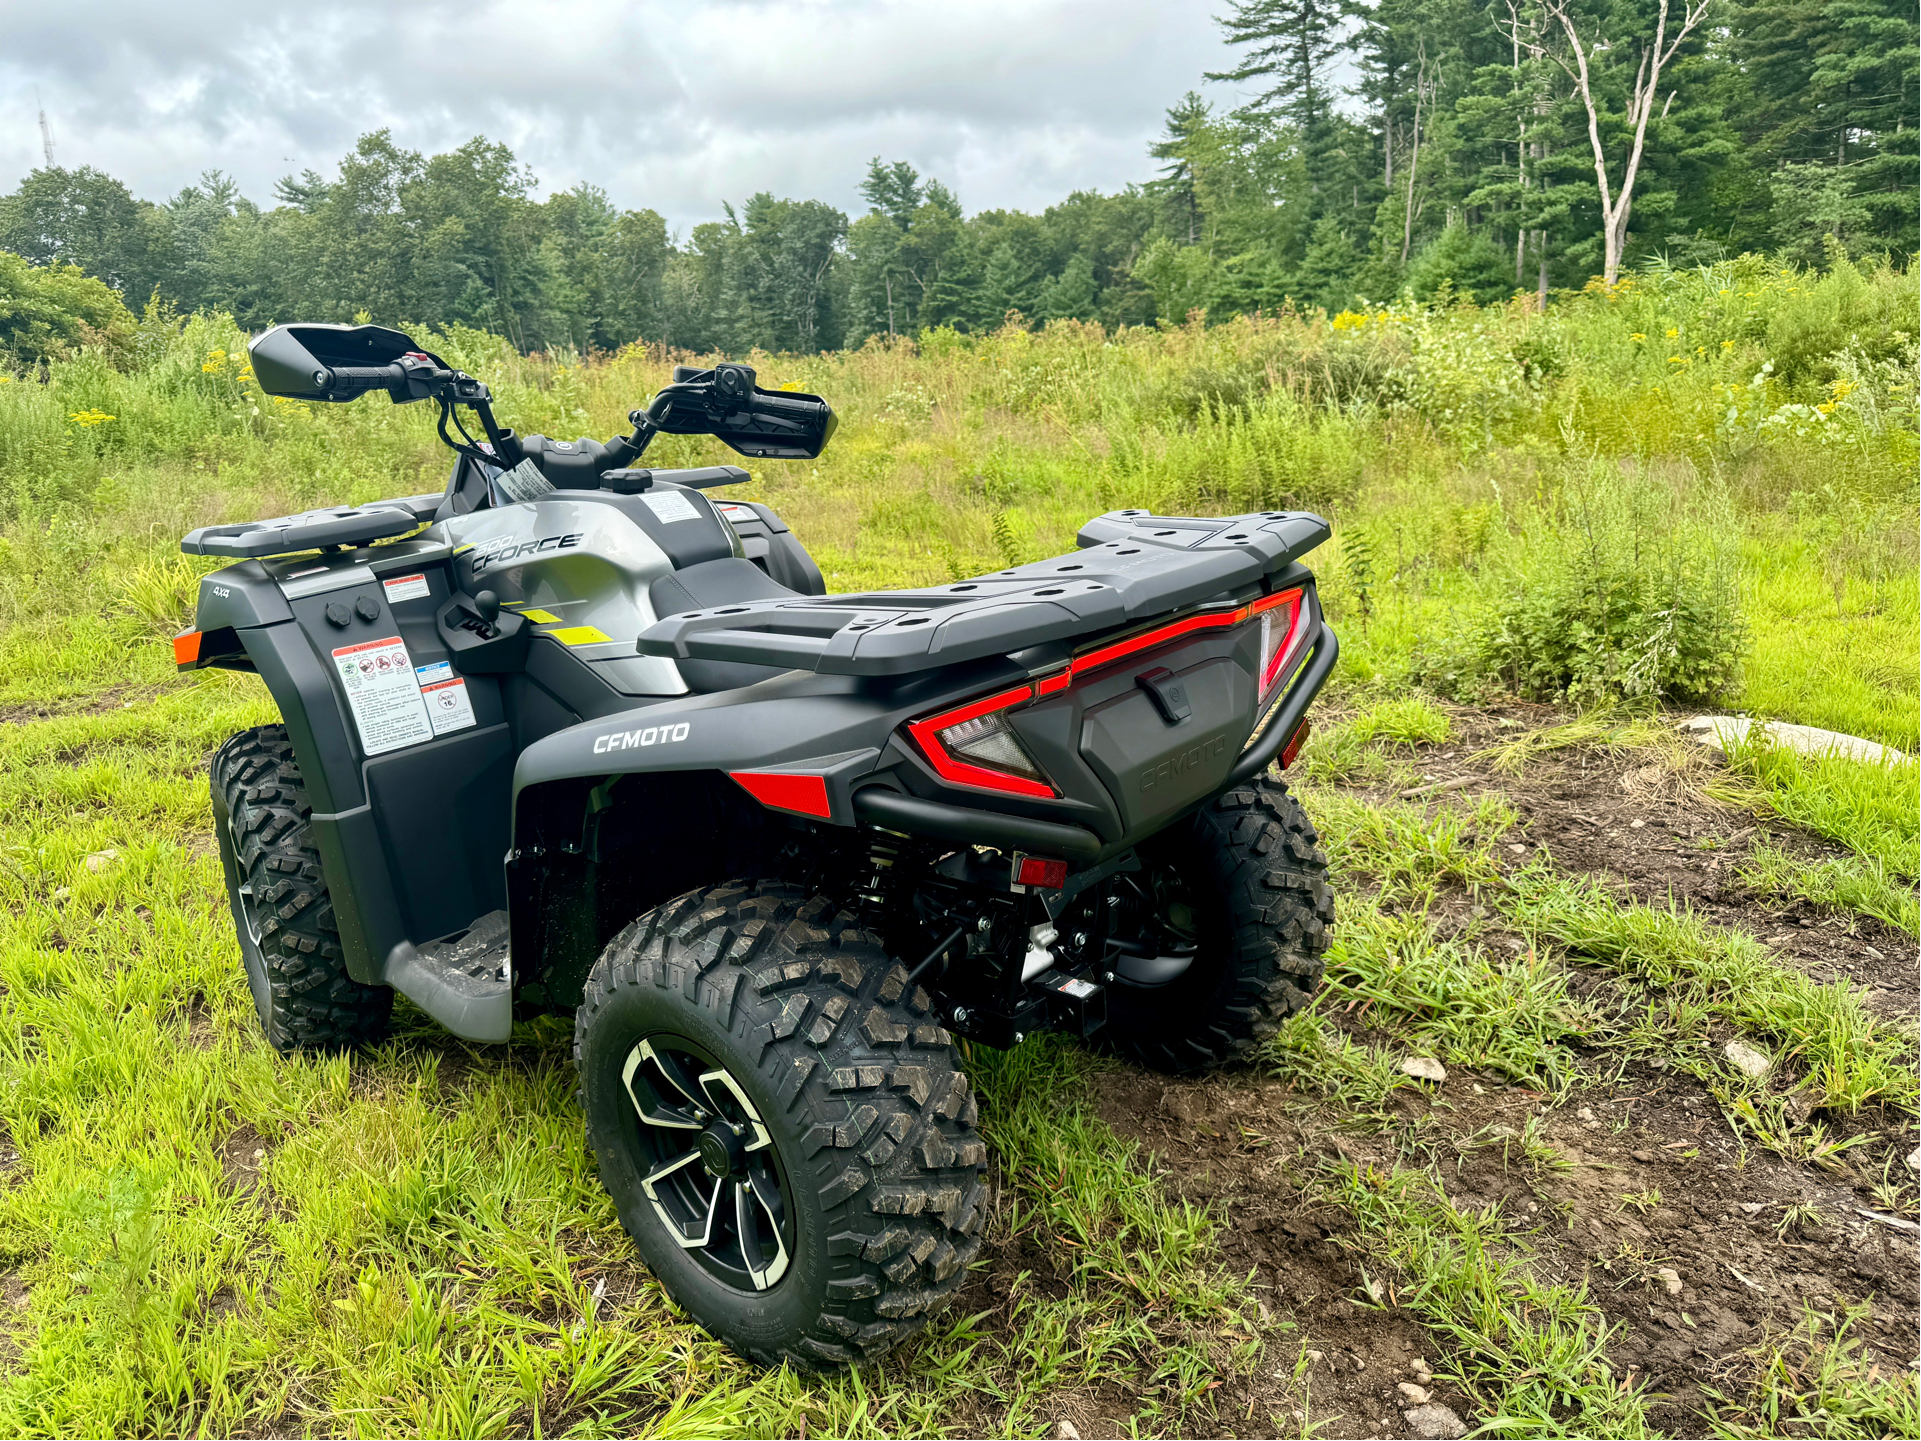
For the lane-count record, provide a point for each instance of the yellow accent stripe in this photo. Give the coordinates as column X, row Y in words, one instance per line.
column 578, row 635
column 542, row 617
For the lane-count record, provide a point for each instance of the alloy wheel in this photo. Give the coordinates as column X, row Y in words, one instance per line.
column 714, row 1178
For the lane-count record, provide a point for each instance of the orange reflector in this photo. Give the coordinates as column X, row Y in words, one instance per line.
column 186, row 647
column 786, row 791
column 1039, row 871
column 1294, row 743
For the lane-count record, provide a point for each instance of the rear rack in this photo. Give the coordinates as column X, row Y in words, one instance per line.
column 1132, row 565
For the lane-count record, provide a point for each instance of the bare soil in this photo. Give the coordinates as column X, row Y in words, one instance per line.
column 1722, row 1223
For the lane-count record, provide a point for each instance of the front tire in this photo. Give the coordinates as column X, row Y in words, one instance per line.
column 1240, row 895
column 785, row 1132
column 289, row 943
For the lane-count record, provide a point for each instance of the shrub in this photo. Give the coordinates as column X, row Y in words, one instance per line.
column 1616, row 590
column 48, row 312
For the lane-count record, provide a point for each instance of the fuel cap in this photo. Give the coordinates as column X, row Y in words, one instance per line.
column 338, row 614
column 367, row 608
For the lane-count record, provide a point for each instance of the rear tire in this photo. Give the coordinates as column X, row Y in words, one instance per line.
column 1251, row 872
column 289, row 944
column 753, row 1040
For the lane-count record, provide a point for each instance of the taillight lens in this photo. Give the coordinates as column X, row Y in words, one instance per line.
column 1281, row 634
column 975, row 746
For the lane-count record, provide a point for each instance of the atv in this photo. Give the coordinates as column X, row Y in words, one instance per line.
column 573, row 736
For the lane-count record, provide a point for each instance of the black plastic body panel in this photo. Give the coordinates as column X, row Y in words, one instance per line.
column 766, row 541
column 441, row 810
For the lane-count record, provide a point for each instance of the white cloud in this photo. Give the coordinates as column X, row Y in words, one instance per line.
column 679, row 107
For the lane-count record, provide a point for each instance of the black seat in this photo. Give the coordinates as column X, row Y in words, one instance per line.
column 729, row 581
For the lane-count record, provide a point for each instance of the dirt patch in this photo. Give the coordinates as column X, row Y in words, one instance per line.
column 242, row 1156
column 1247, row 1145
column 1647, row 827
column 122, row 697
column 1693, row 1242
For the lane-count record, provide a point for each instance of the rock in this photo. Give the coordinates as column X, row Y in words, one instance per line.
column 1718, row 732
column 1914, row 1159
column 1064, row 1431
column 1417, row 1395
column 61, row 894
column 1670, row 1279
column 100, row 860
column 1418, row 1370
column 1314, row 1358
column 1517, row 848
column 1424, row 1068
column 1646, row 1158
column 1435, row 1420
column 1636, row 825
column 1748, row 1061
column 1586, row 1113
column 1754, row 1208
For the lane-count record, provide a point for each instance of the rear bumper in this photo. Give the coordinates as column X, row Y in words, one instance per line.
column 1292, row 709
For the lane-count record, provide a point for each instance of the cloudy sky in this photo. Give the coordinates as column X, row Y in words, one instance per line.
column 678, row 107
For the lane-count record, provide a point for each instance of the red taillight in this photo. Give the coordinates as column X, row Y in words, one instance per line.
column 974, row 746
column 787, row 791
column 1040, row 872
column 1281, row 633
column 186, row 647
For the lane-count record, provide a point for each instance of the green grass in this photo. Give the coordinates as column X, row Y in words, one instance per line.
column 1835, row 885
column 1430, row 995
column 1849, row 670
column 1819, row 1386
column 1532, row 1355
column 1875, row 809
column 1849, row 1056
column 418, row 1247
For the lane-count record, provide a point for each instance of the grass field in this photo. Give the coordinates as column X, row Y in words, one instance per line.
column 1539, row 886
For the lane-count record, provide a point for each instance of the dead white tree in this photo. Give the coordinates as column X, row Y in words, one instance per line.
column 1616, row 205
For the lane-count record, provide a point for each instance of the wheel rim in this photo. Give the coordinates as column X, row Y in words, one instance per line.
column 710, row 1169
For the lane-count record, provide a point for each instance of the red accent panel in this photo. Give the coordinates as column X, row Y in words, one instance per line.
column 186, row 647
column 926, row 734
column 787, row 791
column 1056, row 683
column 1039, row 871
column 1268, row 602
column 1108, row 654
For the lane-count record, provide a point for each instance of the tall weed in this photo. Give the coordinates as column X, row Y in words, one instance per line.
column 1622, row 588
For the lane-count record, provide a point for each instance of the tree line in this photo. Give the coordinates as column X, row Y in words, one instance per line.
column 1477, row 147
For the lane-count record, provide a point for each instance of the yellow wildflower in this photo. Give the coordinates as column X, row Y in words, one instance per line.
column 90, row 417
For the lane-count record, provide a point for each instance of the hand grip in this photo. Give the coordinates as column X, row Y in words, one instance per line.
column 357, row 379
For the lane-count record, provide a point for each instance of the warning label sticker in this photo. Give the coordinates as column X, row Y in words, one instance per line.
column 383, row 694
column 671, row 505
column 406, row 587
column 449, row 707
